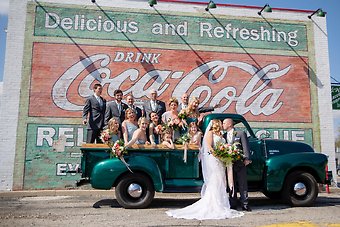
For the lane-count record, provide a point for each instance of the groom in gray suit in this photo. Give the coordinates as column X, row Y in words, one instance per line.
column 239, row 167
column 93, row 114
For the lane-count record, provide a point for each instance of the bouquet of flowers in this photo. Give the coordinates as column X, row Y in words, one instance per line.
column 106, row 137
column 228, row 153
column 159, row 129
column 235, row 151
column 118, row 149
column 184, row 140
column 183, row 115
column 175, row 124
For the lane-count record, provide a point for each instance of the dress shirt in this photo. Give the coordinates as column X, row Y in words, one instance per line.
column 100, row 101
column 153, row 105
column 230, row 136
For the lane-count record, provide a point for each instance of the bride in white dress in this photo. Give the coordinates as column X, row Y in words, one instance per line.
column 214, row 202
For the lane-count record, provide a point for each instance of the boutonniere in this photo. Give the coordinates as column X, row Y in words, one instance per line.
column 235, row 134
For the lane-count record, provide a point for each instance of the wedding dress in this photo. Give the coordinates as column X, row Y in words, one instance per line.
column 214, row 202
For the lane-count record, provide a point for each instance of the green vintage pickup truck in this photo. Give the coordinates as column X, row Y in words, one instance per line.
column 281, row 169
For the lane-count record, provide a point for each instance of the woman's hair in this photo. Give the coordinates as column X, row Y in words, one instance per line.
column 216, row 125
column 152, row 112
column 173, row 100
column 142, row 119
column 127, row 111
column 190, row 108
column 111, row 125
column 193, row 99
column 193, row 124
column 166, row 132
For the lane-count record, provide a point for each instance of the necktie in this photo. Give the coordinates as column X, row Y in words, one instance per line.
column 100, row 101
column 119, row 108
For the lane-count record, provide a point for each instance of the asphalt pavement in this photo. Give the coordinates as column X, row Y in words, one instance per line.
column 93, row 192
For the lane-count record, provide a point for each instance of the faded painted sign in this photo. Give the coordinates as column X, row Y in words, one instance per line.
column 229, row 79
column 52, row 151
column 154, row 27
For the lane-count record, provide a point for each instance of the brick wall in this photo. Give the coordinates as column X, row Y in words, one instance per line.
column 20, row 117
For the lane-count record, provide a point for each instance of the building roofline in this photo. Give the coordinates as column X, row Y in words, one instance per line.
column 237, row 6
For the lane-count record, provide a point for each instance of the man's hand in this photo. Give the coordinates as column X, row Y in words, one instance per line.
column 217, row 106
column 84, row 122
column 247, row 162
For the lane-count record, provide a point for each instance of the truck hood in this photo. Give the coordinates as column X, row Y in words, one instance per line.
column 276, row 147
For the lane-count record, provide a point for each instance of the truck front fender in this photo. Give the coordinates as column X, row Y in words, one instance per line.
column 106, row 173
column 278, row 167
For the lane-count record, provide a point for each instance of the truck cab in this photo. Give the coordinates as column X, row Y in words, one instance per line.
column 281, row 169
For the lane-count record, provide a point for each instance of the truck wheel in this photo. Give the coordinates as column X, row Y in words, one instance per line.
column 135, row 190
column 300, row 189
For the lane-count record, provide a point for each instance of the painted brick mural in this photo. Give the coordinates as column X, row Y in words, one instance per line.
column 243, row 64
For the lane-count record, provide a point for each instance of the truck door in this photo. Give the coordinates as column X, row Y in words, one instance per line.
column 178, row 168
column 255, row 169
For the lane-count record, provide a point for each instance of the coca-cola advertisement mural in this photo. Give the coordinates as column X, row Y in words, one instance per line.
column 240, row 63
column 260, row 87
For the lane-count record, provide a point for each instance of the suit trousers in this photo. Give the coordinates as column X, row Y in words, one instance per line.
column 240, row 184
column 93, row 135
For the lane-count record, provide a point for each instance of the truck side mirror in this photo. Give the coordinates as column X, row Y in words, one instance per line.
column 262, row 134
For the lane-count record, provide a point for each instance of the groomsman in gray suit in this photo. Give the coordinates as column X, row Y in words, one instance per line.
column 115, row 108
column 239, row 167
column 93, row 114
column 153, row 105
column 184, row 102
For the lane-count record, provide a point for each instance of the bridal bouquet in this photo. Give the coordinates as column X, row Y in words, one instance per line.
column 228, row 153
column 235, row 151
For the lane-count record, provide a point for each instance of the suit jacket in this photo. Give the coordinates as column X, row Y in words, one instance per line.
column 180, row 107
column 160, row 108
column 112, row 111
column 95, row 111
column 240, row 137
column 205, row 109
column 137, row 110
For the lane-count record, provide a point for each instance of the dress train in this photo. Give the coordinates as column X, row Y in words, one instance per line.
column 214, row 202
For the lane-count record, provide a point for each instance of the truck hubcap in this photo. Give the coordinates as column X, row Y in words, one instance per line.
column 135, row 190
column 300, row 189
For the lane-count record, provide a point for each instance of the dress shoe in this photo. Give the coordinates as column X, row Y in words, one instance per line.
column 246, row 208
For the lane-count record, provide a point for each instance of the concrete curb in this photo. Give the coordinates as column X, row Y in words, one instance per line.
column 111, row 193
